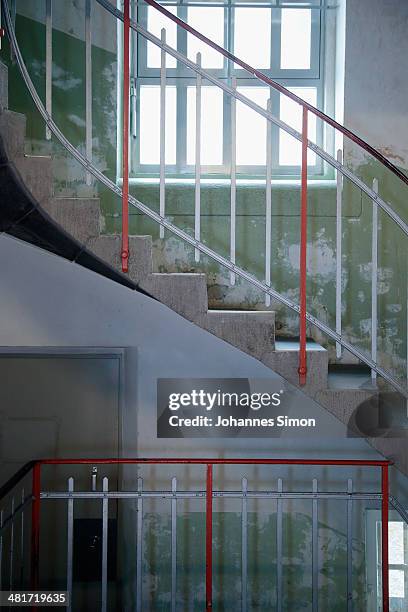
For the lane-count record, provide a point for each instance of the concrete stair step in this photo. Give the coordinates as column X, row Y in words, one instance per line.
column 285, row 361
column 80, row 217
column 12, row 130
column 344, row 377
column 251, row 331
column 37, row 174
column 108, row 248
column 184, row 293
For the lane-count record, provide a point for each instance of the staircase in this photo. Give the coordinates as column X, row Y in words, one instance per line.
column 186, row 293
column 340, row 392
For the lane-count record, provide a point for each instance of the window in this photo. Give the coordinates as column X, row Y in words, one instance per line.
column 235, row 27
column 398, row 561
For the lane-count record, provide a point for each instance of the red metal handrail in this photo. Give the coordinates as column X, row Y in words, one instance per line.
column 302, row 369
column 303, row 255
column 384, row 538
column 209, row 463
column 208, row 538
column 275, row 85
column 125, row 139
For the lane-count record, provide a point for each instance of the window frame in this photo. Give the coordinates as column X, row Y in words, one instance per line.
column 182, row 77
column 373, row 559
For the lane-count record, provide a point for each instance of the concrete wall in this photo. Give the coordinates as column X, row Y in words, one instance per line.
column 373, row 104
column 376, row 87
column 48, row 302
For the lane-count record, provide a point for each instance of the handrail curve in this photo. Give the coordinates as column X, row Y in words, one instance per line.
column 164, row 222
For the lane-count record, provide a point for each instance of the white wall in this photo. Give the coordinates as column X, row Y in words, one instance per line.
column 376, row 75
column 46, row 301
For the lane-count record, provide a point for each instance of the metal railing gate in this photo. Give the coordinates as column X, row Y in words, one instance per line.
column 15, row 501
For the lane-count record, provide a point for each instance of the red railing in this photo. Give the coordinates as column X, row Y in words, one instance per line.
column 275, row 85
column 303, row 255
column 125, row 139
column 209, row 464
column 302, row 369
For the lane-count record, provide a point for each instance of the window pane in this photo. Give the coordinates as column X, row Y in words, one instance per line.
column 290, row 149
column 397, row 583
column 296, row 34
column 396, row 542
column 252, row 36
column 210, row 22
column 251, row 128
column 211, row 125
column 155, row 22
column 150, row 124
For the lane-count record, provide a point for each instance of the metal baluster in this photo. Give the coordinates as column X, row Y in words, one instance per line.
column 173, row 544
column 315, row 550
column 105, row 515
column 350, row 546
column 279, row 550
column 139, row 534
column 208, row 539
column 70, row 540
column 11, row 545
column 162, row 130
column 233, row 222
column 339, row 230
column 268, row 203
column 88, row 87
column 22, row 539
column 133, row 106
column 384, row 538
column 125, row 137
column 244, row 545
column 48, row 62
column 13, row 13
column 374, row 282
column 94, row 476
column 197, row 220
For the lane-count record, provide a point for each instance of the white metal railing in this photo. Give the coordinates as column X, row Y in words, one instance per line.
column 229, row 263
column 22, row 505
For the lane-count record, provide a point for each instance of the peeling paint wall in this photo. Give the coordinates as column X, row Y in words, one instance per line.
column 296, row 570
column 374, row 105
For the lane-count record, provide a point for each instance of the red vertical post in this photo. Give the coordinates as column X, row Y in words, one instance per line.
column 35, row 527
column 302, row 370
column 125, row 143
column 208, row 540
column 384, row 537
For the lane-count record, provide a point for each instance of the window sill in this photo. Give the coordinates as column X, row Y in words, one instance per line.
column 221, row 182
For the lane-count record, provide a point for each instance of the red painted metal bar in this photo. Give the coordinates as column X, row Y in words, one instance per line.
column 203, row 461
column 262, row 77
column 35, row 527
column 384, row 538
column 208, row 538
column 125, row 143
column 302, row 370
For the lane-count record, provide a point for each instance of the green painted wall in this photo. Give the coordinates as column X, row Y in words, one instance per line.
column 172, row 255
column 297, row 561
